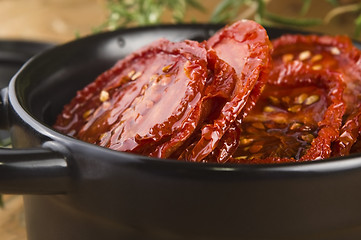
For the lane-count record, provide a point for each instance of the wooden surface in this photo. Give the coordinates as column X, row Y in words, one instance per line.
column 12, row 220
column 50, row 20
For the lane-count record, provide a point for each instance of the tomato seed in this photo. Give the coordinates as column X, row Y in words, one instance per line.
column 316, row 58
column 312, row 99
column 317, row 67
column 136, row 75
column 308, row 138
column 335, row 51
column 295, row 126
column 255, row 148
column 287, row 58
column 87, row 113
column 166, row 68
column 295, row 108
column 246, row 141
column 301, row 98
column 274, row 100
column 268, row 109
column 258, row 125
column 304, row 55
column 131, row 73
column 104, row 96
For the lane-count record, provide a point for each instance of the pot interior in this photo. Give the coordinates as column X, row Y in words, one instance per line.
column 50, row 80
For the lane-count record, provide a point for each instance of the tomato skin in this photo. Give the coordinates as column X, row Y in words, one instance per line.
column 299, row 129
column 335, row 53
column 151, row 95
column 174, row 99
column 348, row 141
column 300, row 61
column 245, row 47
column 338, row 54
column 234, row 98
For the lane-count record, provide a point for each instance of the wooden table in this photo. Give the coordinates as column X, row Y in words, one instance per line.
column 12, row 220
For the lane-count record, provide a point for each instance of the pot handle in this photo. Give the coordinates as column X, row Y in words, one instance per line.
column 33, row 171
column 42, row 170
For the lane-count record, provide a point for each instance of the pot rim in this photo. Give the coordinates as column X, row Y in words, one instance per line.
column 326, row 166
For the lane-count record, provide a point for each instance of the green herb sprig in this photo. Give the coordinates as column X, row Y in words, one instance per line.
column 128, row 13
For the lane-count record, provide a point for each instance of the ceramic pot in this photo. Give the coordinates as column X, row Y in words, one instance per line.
column 78, row 191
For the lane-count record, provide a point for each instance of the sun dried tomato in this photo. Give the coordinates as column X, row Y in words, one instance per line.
column 337, row 54
column 245, row 46
column 297, row 117
column 217, row 101
column 174, row 99
column 150, row 98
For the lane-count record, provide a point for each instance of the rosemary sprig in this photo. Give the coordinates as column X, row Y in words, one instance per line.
column 298, row 22
column 127, row 13
column 262, row 15
column 226, row 10
column 305, row 7
column 333, row 2
column 358, row 26
column 349, row 8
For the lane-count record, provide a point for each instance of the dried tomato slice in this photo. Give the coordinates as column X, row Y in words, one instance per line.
column 297, row 117
column 245, row 46
column 337, row 54
column 221, row 83
column 210, row 102
column 153, row 101
column 150, row 98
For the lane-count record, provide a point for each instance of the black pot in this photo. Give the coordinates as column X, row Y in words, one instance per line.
column 78, row 191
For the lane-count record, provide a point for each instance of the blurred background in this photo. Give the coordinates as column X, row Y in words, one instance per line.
column 59, row 21
column 63, row 20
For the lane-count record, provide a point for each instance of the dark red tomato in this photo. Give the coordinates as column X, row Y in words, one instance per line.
column 349, row 140
column 149, row 99
column 173, row 99
column 245, row 47
column 223, row 101
column 297, row 117
column 336, row 54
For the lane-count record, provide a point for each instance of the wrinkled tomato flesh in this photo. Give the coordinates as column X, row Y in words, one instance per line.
column 337, row 54
column 234, row 98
